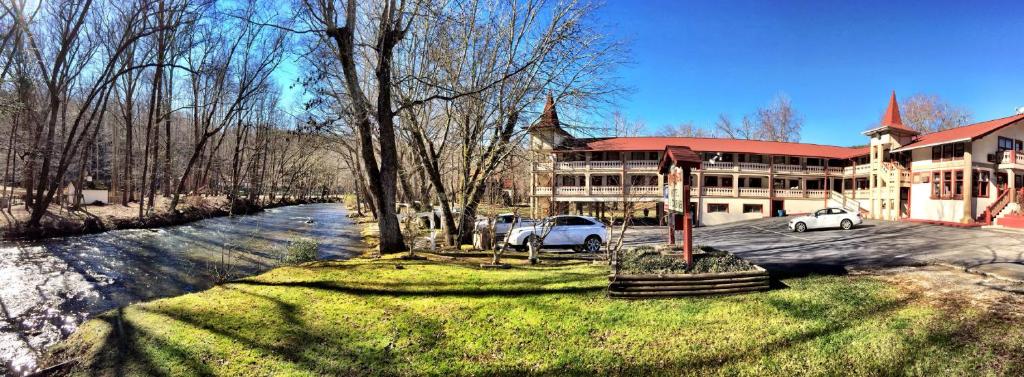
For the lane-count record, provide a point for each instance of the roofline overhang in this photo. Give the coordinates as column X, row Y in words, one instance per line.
column 912, row 147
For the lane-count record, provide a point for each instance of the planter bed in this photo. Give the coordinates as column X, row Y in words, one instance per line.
column 668, row 278
column 676, row 285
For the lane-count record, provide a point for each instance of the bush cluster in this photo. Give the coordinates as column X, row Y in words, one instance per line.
column 301, row 251
column 719, row 262
column 647, row 260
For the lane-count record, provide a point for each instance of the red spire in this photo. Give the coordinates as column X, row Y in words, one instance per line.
column 550, row 116
column 892, row 118
column 892, row 114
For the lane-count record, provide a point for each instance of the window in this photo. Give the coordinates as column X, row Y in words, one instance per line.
column 1005, row 144
column 794, row 160
column 958, row 186
column 947, row 184
column 718, row 208
column 952, row 151
column 835, row 211
column 753, row 182
column 711, row 181
column 936, row 185
column 753, row 208
column 979, row 183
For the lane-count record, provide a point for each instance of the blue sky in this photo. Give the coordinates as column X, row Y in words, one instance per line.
column 837, row 61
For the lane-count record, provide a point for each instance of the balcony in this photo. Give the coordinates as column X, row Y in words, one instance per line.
column 645, row 191
column 1012, row 160
column 638, row 165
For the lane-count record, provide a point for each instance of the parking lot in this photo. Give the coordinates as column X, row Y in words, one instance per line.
column 875, row 244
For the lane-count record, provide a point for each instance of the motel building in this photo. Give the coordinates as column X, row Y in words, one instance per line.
column 963, row 176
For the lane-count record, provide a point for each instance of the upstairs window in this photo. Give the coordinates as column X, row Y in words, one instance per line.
column 948, row 152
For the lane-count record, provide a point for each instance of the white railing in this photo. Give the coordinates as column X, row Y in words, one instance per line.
column 606, row 165
column 718, row 166
column 606, row 190
column 753, row 166
column 693, row 191
column 645, row 190
column 642, row 164
column 718, row 191
column 817, row 194
column 904, row 176
column 1013, row 157
column 754, row 192
column 815, row 169
column 863, row 169
column 571, row 190
column 835, row 170
column 570, row 165
column 847, row 203
column 786, row 168
column 543, row 191
column 788, row 193
column 544, row 166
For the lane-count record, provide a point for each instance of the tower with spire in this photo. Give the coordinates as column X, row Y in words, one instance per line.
column 546, row 134
column 887, row 169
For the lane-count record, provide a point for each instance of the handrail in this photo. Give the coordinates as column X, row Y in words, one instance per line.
column 1001, row 201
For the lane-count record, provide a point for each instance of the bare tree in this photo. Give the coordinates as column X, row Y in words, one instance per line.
column 685, row 129
column 928, row 113
column 778, row 121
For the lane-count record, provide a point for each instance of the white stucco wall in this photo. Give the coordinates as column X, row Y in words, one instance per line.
column 735, row 210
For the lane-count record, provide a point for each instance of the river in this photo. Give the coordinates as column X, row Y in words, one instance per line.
column 49, row 287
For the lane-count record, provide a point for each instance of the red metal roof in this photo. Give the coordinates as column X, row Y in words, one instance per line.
column 968, row 132
column 631, row 144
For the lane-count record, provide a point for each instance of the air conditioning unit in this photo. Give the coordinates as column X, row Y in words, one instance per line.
column 992, row 157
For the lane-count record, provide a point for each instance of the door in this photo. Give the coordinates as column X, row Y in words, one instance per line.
column 557, row 235
column 777, row 205
column 820, row 220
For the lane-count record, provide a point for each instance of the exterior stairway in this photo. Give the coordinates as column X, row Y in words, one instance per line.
column 842, row 201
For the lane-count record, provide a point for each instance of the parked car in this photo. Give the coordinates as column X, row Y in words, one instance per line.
column 581, row 233
column 826, row 218
column 503, row 223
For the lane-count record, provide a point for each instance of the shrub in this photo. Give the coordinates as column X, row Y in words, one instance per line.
column 719, row 261
column 301, row 251
column 647, row 260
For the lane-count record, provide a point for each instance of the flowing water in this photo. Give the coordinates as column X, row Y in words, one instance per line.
column 48, row 288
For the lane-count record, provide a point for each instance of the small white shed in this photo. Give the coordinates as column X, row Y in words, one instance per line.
column 89, row 196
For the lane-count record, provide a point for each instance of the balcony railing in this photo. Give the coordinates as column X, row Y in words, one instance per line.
column 748, row 167
column 543, row 191
column 645, row 190
column 718, row 191
column 606, row 190
column 754, row 166
column 642, row 165
column 718, row 166
column 754, row 192
column 606, row 165
column 818, row 194
column 1013, row 157
column 571, row 190
column 789, row 193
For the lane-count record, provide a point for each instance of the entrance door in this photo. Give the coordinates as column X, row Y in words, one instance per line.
column 777, row 205
column 905, row 201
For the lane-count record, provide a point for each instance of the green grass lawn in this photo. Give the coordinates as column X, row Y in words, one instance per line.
column 366, row 317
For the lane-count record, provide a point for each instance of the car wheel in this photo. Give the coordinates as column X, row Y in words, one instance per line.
column 800, row 227
column 846, row 224
column 535, row 241
column 592, row 244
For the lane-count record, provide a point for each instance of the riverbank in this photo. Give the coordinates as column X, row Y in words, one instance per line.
column 97, row 219
column 446, row 316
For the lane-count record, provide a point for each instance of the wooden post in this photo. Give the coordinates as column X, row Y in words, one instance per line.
column 687, row 221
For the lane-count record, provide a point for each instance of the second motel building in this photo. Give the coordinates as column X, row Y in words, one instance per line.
column 967, row 175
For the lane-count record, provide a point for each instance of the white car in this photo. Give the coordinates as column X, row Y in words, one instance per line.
column 577, row 232
column 826, row 218
column 503, row 223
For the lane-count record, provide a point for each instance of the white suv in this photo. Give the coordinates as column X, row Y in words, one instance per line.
column 826, row 218
column 578, row 232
